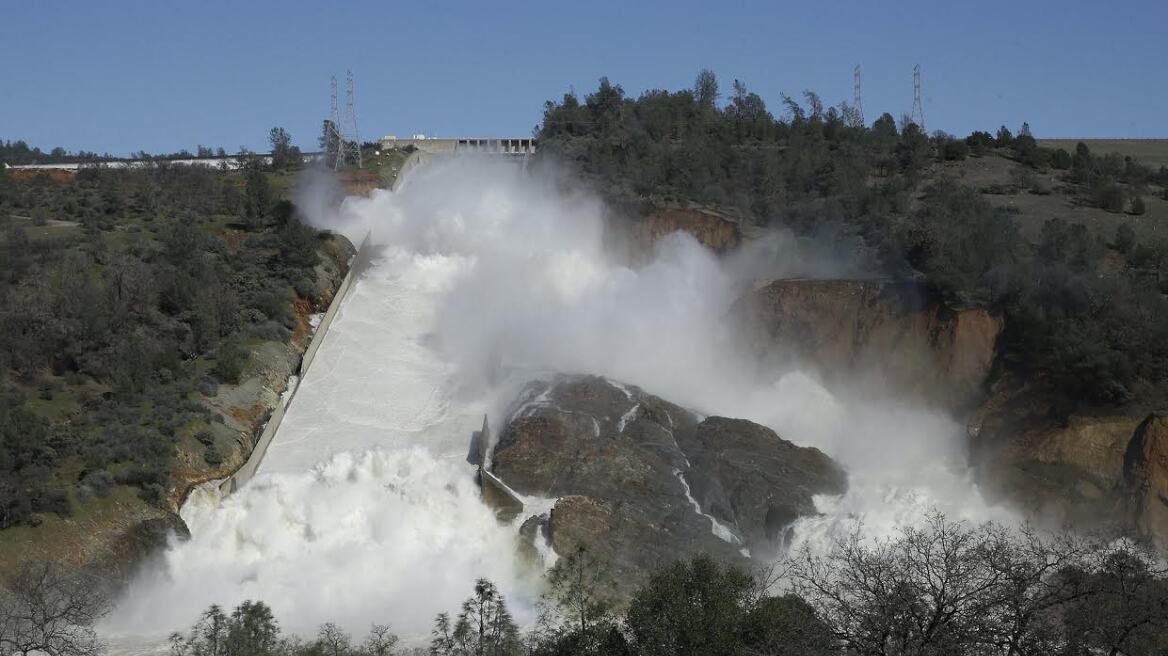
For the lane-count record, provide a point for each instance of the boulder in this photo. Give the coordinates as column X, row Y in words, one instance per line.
column 640, row 481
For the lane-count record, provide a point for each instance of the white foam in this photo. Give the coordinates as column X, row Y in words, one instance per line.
column 627, row 417
column 719, row 529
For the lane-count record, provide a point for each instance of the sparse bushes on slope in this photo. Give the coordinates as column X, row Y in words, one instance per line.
column 111, row 327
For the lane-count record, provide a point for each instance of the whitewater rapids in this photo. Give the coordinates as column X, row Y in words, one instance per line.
column 364, row 509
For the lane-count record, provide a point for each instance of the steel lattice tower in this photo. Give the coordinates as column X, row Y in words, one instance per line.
column 345, row 133
column 353, row 145
column 334, row 128
column 918, row 110
column 857, row 100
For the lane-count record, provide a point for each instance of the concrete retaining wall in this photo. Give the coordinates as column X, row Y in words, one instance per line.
column 248, row 469
column 416, row 159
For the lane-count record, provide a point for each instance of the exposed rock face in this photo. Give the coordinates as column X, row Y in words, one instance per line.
column 1086, row 470
column 1146, row 476
column 641, row 481
column 893, row 335
column 715, row 231
column 1054, row 469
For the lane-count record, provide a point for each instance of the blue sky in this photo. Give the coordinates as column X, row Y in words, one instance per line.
column 160, row 76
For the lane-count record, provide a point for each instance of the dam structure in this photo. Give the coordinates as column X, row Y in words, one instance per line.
column 451, row 145
column 481, row 277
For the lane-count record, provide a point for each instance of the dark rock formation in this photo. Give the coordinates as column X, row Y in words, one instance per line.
column 892, row 335
column 641, row 481
column 1146, row 476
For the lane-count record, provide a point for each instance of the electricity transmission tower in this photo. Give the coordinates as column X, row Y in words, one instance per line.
column 857, row 100
column 918, row 110
column 343, row 134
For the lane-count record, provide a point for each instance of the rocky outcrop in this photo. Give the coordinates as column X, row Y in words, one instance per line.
column 1087, row 469
column 1145, row 470
column 640, row 481
column 716, row 231
column 893, row 336
column 1056, row 469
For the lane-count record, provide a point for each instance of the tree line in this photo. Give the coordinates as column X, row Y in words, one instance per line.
column 942, row 587
column 285, row 155
column 1077, row 325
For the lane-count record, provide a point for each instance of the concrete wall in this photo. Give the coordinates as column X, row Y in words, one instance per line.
column 416, row 159
column 441, row 145
column 249, row 467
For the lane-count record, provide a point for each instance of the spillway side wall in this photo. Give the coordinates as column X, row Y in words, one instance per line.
column 251, row 465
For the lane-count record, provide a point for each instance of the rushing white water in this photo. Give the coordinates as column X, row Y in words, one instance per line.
column 364, row 509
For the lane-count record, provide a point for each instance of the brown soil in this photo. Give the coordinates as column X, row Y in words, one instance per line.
column 358, row 182
column 56, row 175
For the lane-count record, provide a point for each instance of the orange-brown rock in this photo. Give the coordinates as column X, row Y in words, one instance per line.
column 1094, row 468
column 893, row 335
column 1058, row 470
column 717, row 232
column 1146, row 477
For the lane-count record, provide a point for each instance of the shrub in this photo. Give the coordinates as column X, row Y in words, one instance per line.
column 955, row 150
column 207, row 386
column 230, row 362
column 98, row 482
column 980, row 142
column 1137, row 206
column 212, row 456
column 270, row 331
column 1107, row 195
column 205, row 437
column 1125, row 238
column 306, row 288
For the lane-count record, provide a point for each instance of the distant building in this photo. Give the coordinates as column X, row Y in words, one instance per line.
column 229, row 162
column 438, row 145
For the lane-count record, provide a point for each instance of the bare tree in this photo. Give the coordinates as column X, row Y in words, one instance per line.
column 380, row 641
column 948, row 588
column 331, row 640
column 44, row 610
column 1124, row 609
